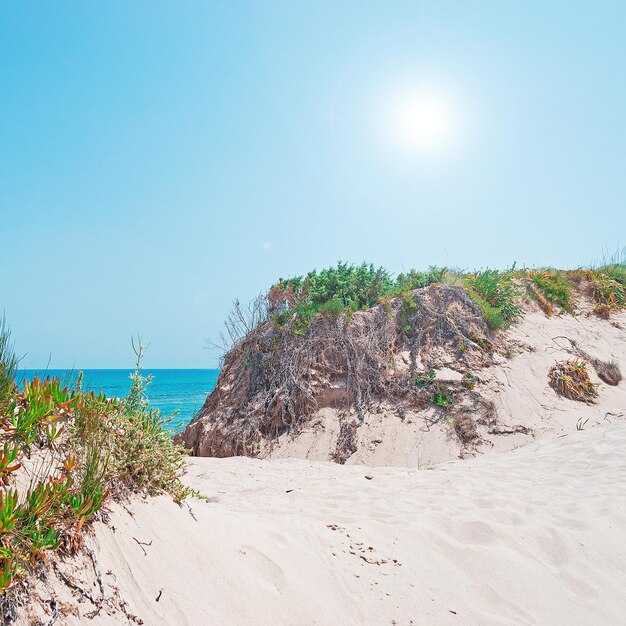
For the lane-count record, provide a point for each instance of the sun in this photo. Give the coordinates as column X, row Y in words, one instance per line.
column 420, row 122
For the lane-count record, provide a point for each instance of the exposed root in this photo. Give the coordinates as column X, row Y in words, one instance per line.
column 76, row 587
column 276, row 377
column 346, row 442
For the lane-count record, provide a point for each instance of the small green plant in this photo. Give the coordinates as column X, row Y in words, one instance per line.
column 42, row 539
column 8, row 510
column 443, row 399
column 469, row 380
column 429, row 376
column 8, row 461
column 8, row 568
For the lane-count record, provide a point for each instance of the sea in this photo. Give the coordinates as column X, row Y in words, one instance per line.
column 179, row 391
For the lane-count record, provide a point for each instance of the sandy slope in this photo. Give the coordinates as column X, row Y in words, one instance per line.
column 518, row 386
column 533, row 536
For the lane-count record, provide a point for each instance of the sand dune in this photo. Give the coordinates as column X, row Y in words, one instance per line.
column 525, row 404
column 533, row 536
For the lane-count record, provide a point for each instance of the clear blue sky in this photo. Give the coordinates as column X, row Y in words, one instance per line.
column 159, row 159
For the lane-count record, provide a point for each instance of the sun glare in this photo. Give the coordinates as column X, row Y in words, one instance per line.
column 420, row 122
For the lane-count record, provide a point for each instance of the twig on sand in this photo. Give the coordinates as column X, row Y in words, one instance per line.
column 141, row 544
column 54, row 605
column 72, row 585
column 92, row 555
column 191, row 511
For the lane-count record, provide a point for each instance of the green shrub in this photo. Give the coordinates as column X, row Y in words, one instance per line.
column 353, row 286
column 342, row 289
column 607, row 290
column 555, row 286
column 331, row 308
column 417, row 280
column 134, row 440
column 496, row 295
column 616, row 271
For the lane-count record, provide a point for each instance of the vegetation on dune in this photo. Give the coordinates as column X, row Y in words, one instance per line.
column 292, row 303
column 8, row 365
column 278, row 374
column 571, row 380
column 496, row 294
column 608, row 371
column 342, row 289
column 303, row 346
column 615, row 271
column 63, row 453
column 608, row 293
column 555, row 287
column 609, row 284
column 551, row 287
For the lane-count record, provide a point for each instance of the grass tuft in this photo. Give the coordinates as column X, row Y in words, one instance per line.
column 608, row 371
column 555, row 287
column 571, row 380
column 608, row 293
column 8, row 365
column 496, row 294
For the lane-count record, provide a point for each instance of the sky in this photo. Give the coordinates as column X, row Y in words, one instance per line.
column 160, row 159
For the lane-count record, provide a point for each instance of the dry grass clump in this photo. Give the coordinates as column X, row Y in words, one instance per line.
column 465, row 428
column 608, row 371
column 571, row 380
column 542, row 301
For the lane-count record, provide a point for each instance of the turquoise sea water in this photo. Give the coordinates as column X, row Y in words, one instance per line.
column 170, row 390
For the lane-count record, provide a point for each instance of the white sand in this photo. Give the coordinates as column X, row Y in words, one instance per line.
column 534, row 536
